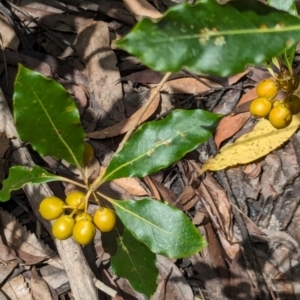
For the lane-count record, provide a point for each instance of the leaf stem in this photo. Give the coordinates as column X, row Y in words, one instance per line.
column 61, row 178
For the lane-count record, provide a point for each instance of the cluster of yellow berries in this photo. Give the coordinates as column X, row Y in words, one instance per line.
column 279, row 112
column 72, row 220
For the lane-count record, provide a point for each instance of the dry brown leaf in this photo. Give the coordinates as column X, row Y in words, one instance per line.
column 151, row 186
column 49, row 5
column 191, row 85
column 55, row 277
column 131, row 185
column 166, row 194
column 6, row 253
column 38, row 286
column 222, row 203
column 25, row 243
column 172, row 284
column 188, row 197
column 17, row 289
column 230, row 125
column 142, row 8
column 93, row 46
column 6, row 269
column 8, row 38
column 125, row 125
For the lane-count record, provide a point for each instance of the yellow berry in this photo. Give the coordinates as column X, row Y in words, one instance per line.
column 76, row 199
column 83, row 216
column 280, row 116
column 62, row 228
column 51, row 208
column 105, row 219
column 260, row 107
column 293, row 103
column 84, row 232
column 88, row 153
column 267, row 88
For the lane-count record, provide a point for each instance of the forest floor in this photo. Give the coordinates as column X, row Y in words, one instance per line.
column 249, row 214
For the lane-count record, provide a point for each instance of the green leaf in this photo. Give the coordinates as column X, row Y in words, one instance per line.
column 19, row 176
column 134, row 261
column 286, row 5
column 212, row 38
column 47, row 117
column 157, row 144
column 163, row 228
column 289, row 6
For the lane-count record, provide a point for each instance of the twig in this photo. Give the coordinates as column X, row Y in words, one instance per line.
column 104, row 288
column 145, row 107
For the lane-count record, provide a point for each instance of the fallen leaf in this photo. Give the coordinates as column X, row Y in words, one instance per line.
column 125, row 125
column 25, row 243
column 8, row 38
column 55, row 277
column 131, row 185
column 6, row 269
column 230, row 125
column 172, row 284
column 142, row 8
column 17, row 289
column 93, row 46
column 6, row 253
column 38, row 286
column 190, row 85
column 262, row 140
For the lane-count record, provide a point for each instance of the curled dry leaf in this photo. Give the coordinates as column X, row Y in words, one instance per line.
column 230, row 125
column 25, row 243
column 125, row 125
column 262, row 140
column 190, row 85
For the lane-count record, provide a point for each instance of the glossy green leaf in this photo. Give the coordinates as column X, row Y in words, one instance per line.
column 165, row 229
column 289, row 6
column 134, row 261
column 47, row 117
column 19, row 176
column 286, row 5
column 157, row 144
column 212, row 38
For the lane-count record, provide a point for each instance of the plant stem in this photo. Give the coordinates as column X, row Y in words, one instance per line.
column 61, row 178
column 145, row 107
column 98, row 181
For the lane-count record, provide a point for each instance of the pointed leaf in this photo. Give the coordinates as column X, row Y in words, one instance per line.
column 19, row 176
column 289, row 6
column 47, row 117
column 263, row 139
column 212, row 38
column 135, row 262
column 157, row 144
column 163, row 228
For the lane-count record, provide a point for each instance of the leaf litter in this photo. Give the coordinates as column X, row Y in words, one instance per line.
column 274, row 178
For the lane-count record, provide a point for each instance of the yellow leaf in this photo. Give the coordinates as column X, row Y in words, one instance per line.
column 263, row 139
